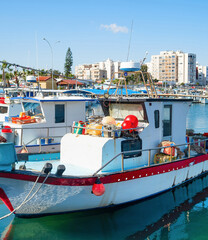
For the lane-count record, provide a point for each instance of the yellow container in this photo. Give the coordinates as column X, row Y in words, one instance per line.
column 96, row 129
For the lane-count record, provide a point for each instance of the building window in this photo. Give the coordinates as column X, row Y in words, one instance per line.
column 133, row 146
column 157, row 118
column 59, row 113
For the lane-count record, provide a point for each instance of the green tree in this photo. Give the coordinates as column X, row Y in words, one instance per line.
column 144, row 68
column 68, row 63
column 56, row 73
column 116, row 81
column 4, row 66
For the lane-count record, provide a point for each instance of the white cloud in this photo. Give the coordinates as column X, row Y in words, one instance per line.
column 114, row 28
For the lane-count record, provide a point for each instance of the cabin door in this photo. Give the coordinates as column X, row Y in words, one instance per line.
column 167, row 122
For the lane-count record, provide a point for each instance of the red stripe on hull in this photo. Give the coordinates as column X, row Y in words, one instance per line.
column 111, row 178
column 5, row 199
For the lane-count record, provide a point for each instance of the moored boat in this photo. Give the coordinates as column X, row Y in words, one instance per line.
column 37, row 124
column 103, row 165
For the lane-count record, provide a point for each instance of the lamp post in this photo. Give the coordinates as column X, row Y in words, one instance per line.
column 51, row 58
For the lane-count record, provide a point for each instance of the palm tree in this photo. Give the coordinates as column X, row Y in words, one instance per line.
column 3, row 66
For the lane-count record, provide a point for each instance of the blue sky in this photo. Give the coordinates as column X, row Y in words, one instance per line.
column 97, row 30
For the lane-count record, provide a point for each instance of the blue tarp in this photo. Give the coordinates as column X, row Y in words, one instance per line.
column 112, row 91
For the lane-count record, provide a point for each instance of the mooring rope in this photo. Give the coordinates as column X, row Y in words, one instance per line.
column 26, row 198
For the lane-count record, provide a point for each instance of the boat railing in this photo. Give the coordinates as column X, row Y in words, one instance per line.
column 46, row 129
column 114, row 133
column 188, row 155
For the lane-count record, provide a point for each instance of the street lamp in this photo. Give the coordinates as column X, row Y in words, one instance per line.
column 52, row 59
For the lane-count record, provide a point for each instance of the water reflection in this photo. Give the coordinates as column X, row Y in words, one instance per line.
column 167, row 216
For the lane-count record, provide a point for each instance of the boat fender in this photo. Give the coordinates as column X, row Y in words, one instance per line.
column 60, row 170
column 98, row 188
column 47, row 168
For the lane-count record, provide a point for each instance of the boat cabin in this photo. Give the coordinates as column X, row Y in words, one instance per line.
column 45, row 119
column 158, row 120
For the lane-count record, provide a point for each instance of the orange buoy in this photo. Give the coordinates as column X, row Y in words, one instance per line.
column 98, row 188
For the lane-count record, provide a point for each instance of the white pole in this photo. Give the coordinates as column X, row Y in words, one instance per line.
column 52, row 60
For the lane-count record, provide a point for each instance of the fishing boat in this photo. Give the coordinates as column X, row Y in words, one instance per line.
column 109, row 161
column 36, row 124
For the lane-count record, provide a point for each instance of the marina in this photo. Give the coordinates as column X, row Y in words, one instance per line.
column 120, row 163
column 103, row 120
column 181, row 210
column 125, row 158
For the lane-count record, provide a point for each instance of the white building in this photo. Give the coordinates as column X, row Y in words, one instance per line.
column 97, row 73
column 102, row 70
column 83, row 71
column 201, row 74
column 186, row 67
column 111, row 67
column 173, row 66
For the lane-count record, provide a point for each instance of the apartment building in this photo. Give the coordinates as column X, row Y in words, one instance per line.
column 83, row 71
column 201, row 74
column 102, row 70
column 186, row 67
column 97, row 73
column 177, row 67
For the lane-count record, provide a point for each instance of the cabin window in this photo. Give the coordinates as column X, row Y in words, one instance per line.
column 167, row 121
column 59, row 113
column 120, row 111
column 132, row 145
column 157, row 118
column 32, row 109
column 3, row 109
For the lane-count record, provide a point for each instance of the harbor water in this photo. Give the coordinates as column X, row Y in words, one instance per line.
column 181, row 213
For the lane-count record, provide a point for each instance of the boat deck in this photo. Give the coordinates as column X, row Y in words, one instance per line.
column 71, row 170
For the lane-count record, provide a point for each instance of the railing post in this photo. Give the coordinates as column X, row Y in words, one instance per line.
column 47, row 133
column 189, row 150
column 149, row 156
column 39, row 145
column 21, row 139
column 122, row 162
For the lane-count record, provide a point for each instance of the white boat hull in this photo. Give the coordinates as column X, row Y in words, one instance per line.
column 66, row 194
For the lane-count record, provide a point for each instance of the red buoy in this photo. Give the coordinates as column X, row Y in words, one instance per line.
column 98, row 188
column 127, row 125
column 6, row 129
column 133, row 119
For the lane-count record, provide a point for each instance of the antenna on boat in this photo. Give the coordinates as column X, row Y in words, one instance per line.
column 129, row 41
